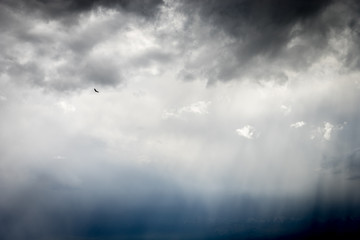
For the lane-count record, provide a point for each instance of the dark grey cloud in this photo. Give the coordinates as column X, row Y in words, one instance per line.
column 153, row 56
column 219, row 40
column 69, row 8
column 58, row 56
column 352, row 165
column 102, row 71
column 265, row 26
column 352, row 59
column 274, row 35
column 347, row 167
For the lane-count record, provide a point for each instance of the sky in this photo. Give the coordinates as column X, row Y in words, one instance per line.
column 214, row 119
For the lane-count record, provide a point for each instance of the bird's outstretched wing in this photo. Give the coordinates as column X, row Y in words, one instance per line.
column 96, row 90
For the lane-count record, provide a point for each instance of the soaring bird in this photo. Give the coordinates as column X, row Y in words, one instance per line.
column 96, row 90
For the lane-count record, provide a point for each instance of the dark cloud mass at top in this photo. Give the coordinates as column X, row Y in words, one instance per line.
column 65, row 8
column 218, row 41
column 270, row 21
column 59, row 55
column 276, row 35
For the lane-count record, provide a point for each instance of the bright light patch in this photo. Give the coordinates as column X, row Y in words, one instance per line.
column 298, row 124
column 200, row 107
column 248, row 132
column 197, row 108
column 328, row 128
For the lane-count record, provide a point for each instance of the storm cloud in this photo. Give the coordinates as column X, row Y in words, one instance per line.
column 67, row 8
column 214, row 119
column 58, row 50
column 270, row 38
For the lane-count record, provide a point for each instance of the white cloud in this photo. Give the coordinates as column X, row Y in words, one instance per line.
column 200, row 107
column 248, row 132
column 327, row 130
column 298, row 124
column 169, row 114
column 197, row 108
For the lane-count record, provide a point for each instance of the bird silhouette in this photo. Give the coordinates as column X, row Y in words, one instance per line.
column 96, row 90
